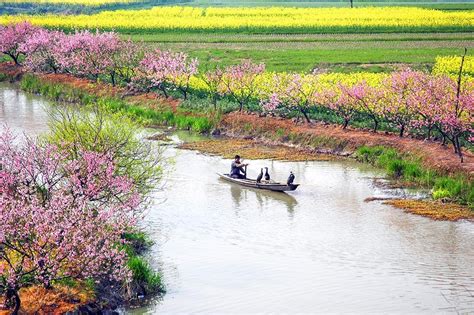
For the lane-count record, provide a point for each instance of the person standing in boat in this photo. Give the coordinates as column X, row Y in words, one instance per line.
column 238, row 169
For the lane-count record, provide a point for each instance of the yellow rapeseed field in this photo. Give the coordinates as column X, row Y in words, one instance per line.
column 451, row 65
column 276, row 19
column 265, row 81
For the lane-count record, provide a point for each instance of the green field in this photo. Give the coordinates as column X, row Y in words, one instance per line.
column 305, row 52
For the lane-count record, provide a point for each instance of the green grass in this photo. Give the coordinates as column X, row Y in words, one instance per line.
column 307, row 60
column 143, row 275
column 305, row 52
column 143, row 115
column 408, row 168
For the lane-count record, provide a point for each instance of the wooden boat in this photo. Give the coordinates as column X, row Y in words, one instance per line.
column 252, row 183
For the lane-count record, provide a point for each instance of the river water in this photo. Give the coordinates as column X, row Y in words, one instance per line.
column 226, row 249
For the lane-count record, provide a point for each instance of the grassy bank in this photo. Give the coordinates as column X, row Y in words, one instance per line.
column 409, row 170
column 145, row 280
column 148, row 114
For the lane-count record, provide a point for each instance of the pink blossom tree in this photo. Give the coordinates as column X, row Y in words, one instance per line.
column 213, row 80
column 339, row 100
column 399, row 97
column 60, row 217
column 431, row 91
column 90, row 54
column 12, row 37
column 292, row 93
column 454, row 116
column 164, row 70
column 368, row 99
column 124, row 61
column 180, row 71
column 240, row 81
column 43, row 50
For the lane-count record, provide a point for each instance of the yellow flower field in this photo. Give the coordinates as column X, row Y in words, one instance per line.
column 451, row 64
column 265, row 81
column 276, row 19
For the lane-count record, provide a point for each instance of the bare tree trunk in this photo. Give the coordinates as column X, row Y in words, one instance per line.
column 376, row 124
column 306, row 116
column 458, row 144
column 214, row 102
column 453, row 141
column 346, row 122
column 15, row 58
column 402, row 130
column 12, row 295
column 185, row 93
column 163, row 89
column 458, row 92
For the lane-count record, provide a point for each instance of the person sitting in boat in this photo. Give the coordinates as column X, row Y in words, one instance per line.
column 238, row 169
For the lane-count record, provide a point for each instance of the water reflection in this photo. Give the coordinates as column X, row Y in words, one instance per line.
column 241, row 195
column 22, row 112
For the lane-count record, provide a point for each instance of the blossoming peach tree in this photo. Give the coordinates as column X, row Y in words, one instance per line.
column 61, row 217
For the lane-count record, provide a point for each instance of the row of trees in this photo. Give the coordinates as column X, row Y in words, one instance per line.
column 406, row 99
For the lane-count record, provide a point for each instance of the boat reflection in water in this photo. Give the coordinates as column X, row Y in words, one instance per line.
column 242, row 195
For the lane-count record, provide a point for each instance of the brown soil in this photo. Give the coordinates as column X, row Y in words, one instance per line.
column 12, row 71
column 321, row 136
column 253, row 150
column 59, row 300
column 433, row 209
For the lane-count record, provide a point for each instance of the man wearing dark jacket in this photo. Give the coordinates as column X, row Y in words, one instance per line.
column 238, row 169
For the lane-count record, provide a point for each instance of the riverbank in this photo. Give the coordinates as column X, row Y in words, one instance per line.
column 87, row 297
column 254, row 149
column 435, row 210
column 59, row 300
column 410, row 161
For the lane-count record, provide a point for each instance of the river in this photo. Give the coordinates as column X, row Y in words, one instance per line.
column 226, row 249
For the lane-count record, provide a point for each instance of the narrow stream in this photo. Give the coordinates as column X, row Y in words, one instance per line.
column 226, row 249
